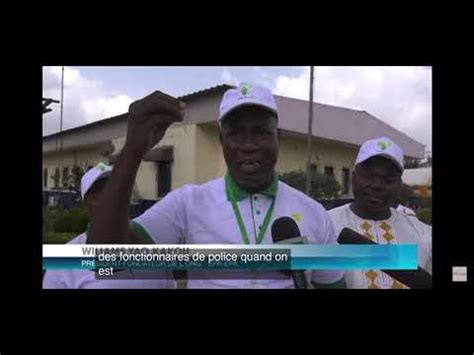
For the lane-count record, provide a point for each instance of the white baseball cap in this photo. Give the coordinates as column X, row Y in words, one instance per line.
column 246, row 94
column 100, row 171
column 381, row 146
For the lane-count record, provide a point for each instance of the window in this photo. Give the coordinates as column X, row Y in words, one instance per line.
column 329, row 170
column 65, row 177
column 75, row 179
column 163, row 178
column 345, row 181
column 56, row 177
column 45, row 177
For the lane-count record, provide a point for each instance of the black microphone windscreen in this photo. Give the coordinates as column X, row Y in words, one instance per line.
column 348, row 236
column 284, row 228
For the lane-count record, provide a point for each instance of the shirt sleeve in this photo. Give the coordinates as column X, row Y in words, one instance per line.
column 423, row 232
column 164, row 222
column 424, row 245
column 53, row 280
column 329, row 237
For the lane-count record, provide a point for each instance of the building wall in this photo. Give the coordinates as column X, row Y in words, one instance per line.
column 208, row 164
column 145, row 182
column 181, row 136
column 203, row 109
column 84, row 158
column 182, row 139
column 198, row 158
column 293, row 156
column 196, row 148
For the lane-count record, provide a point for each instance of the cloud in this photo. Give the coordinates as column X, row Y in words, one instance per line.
column 255, row 75
column 106, row 106
column 84, row 101
column 261, row 76
column 228, row 78
column 400, row 96
column 293, row 86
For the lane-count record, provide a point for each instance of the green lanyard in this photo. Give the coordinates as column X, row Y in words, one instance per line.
column 240, row 222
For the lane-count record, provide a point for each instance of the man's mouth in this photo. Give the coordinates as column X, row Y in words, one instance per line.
column 249, row 166
column 375, row 200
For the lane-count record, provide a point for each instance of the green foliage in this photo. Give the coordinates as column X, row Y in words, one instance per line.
column 424, row 215
column 59, row 220
column 321, row 187
column 73, row 220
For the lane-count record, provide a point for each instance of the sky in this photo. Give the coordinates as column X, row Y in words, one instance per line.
column 400, row 96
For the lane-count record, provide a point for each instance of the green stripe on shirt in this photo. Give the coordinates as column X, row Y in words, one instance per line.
column 141, row 233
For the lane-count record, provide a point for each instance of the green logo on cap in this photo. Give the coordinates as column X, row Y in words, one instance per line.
column 244, row 89
column 384, row 144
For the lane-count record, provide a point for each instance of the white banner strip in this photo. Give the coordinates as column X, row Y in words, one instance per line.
column 81, row 250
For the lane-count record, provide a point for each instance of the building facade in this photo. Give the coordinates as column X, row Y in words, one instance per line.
column 190, row 152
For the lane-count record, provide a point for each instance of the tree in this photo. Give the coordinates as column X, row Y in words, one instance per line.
column 75, row 178
column 55, row 178
column 321, row 186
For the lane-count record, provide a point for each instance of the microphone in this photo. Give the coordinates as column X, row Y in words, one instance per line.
column 416, row 279
column 286, row 231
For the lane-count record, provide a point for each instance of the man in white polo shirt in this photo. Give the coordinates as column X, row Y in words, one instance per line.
column 238, row 208
column 376, row 182
column 92, row 184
